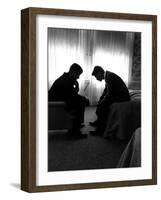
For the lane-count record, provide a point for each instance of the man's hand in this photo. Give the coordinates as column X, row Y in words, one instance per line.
column 76, row 86
column 87, row 102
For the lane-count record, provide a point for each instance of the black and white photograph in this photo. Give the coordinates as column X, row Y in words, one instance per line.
column 89, row 104
column 94, row 99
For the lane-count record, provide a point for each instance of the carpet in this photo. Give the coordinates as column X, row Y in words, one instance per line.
column 92, row 152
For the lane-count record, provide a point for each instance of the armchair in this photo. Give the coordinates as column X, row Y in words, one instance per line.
column 58, row 117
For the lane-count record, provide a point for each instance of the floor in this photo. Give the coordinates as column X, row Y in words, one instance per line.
column 89, row 116
column 91, row 152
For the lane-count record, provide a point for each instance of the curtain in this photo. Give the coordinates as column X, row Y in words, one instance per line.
column 113, row 51
column 110, row 49
column 65, row 47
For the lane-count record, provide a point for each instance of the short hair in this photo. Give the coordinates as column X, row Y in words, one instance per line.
column 76, row 68
column 97, row 69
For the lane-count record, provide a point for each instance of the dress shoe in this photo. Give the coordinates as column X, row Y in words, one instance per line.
column 95, row 123
column 96, row 133
column 77, row 135
column 82, row 125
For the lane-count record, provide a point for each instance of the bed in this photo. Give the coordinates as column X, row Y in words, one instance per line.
column 131, row 156
column 124, row 117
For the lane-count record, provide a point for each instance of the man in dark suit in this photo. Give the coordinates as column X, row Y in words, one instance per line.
column 66, row 88
column 115, row 91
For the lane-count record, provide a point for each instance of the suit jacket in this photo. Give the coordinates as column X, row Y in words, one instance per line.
column 115, row 89
column 64, row 89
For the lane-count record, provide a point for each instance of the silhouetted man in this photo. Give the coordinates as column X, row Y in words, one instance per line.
column 115, row 91
column 66, row 88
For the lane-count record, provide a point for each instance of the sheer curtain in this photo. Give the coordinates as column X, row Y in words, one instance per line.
column 65, row 47
column 113, row 51
column 110, row 49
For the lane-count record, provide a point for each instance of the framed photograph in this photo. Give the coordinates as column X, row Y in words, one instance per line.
column 89, row 99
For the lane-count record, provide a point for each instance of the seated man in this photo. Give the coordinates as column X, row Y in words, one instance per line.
column 115, row 91
column 66, row 88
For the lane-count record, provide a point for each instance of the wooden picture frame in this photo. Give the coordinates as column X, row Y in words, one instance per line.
column 28, row 99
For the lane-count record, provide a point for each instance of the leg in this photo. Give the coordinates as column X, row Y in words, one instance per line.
column 102, row 114
column 78, row 113
column 80, row 108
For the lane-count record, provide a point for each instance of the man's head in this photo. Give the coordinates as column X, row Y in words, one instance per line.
column 75, row 71
column 98, row 72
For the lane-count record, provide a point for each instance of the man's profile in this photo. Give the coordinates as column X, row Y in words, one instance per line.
column 66, row 88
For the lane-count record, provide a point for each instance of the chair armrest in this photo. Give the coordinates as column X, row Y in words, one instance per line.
column 57, row 104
